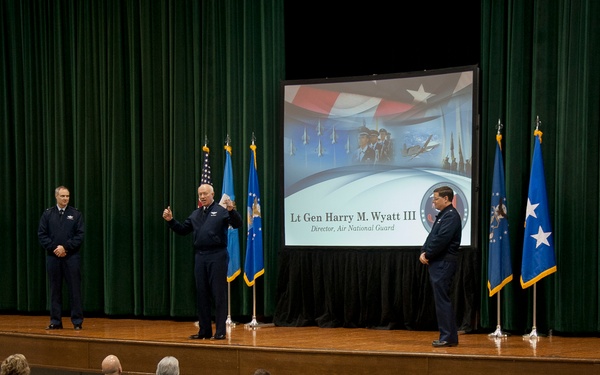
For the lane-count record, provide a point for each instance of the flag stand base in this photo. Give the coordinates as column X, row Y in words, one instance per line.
column 229, row 322
column 256, row 325
column 498, row 333
column 533, row 335
column 252, row 325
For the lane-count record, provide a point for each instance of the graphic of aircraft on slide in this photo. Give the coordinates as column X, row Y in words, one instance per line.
column 416, row 150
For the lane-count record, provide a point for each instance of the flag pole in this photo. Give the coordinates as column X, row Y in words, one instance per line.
column 498, row 332
column 205, row 178
column 254, row 323
column 533, row 335
column 254, row 246
column 228, row 322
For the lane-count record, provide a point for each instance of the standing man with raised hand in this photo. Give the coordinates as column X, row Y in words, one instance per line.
column 60, row 233
column 440, row 253
column 209, row 224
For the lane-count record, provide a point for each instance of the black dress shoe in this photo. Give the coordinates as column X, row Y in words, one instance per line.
column 442, row 343
column 54, row 326
column 77, row 327
column 219, row 337
column 199, row 337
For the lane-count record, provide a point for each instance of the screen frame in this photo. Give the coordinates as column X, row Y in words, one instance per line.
column 475, row 148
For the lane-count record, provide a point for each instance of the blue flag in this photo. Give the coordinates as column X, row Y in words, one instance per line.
column 206, row 177
column 253, row 267
column 233, row 240
column 499, row 261
column 538, row 241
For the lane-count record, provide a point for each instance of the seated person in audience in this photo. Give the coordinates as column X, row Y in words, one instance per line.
column 15, row 364
column 168, row 366
column 261, row 371
column 111, row 365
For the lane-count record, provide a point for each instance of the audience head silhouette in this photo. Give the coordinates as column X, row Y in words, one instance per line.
column 111, row 365
column 168, row 366
column 15, row 364
column 261, row 371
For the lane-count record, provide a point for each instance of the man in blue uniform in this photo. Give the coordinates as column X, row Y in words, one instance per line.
column 440, row 253
column 209, row 225
column 60, row 233
column 364, row 154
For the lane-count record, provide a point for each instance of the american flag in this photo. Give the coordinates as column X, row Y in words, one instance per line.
column 206, row 177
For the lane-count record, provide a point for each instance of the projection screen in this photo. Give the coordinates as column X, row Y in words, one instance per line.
column 362, row 156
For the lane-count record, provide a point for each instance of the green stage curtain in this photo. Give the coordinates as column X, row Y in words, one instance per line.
column 115, row 100
column 541, row 58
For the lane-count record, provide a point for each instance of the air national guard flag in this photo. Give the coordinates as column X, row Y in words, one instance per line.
column 253, row 266
column 205, row 178
column 233, row 239
column 538, row 241
column 499, row 260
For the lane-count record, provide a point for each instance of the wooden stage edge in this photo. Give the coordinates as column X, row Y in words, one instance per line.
column 140, row 344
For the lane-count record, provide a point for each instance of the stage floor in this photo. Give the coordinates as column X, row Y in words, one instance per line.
column 141, row 343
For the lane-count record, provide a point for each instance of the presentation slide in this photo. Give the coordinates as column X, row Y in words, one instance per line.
column 362, row 156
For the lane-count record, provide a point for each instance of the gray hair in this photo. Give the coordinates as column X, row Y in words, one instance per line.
column 168, row 366
column 59, row 189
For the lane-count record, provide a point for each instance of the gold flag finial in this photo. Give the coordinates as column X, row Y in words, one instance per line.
column 499, row 134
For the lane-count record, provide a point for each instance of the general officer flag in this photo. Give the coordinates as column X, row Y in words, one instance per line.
column 499, row 260
column 538, row 241
column 253, row 266
column 233, row 240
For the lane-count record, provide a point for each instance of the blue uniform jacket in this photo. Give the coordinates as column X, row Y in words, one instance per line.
column 67, row 231
column 443, row 241
column 209, row 227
